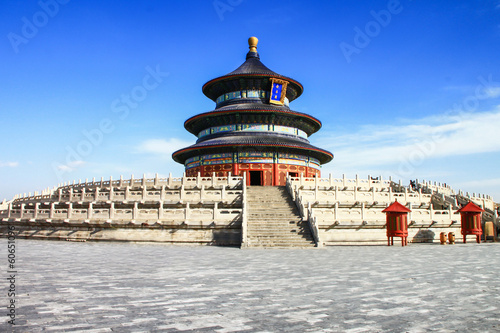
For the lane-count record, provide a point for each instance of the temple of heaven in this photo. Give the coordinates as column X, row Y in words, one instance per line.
column 252, row 130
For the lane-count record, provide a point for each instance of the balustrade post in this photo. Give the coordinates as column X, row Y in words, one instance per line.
column 216, row 212
column 202, row 193
column 135, row 210
column 162, row 193
column 51, row 212
column 187, row 213
column 35, row 213
column 70, row 209
column 90, row 211
column 22, row 210
column 160, row 210
column 112, row 210
column 410, row 207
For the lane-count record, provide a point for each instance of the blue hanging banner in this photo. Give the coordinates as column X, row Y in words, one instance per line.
column 278, row 91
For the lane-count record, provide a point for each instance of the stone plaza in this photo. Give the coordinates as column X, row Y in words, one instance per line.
column 147, row 287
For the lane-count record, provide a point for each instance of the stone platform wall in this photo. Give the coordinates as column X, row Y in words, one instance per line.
column 212, row 210
column 349, row 211
column 198, row 210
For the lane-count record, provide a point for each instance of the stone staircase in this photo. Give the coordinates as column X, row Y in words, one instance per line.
column 273, row 219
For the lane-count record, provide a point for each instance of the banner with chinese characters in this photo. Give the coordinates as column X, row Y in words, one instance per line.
column 278, row 91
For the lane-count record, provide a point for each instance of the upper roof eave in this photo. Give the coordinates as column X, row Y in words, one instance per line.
column 206, row 87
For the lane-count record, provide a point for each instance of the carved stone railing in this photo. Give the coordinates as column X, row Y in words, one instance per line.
column 203, row 199
column 132, row 189
column 305, row 213
column 244, row 214
column 365, row 183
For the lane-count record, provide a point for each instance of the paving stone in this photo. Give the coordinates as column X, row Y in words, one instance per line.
column 126, row 287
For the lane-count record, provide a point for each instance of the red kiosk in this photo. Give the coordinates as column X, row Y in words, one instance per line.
column 397, row 223
column 471, row 221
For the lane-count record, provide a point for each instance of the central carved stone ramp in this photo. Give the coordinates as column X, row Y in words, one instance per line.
column 273, row 219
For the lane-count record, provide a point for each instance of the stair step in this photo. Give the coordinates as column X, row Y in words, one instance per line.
column 280, row 239
column 274, row 220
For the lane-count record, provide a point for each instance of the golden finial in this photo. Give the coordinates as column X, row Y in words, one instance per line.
column 252, row 44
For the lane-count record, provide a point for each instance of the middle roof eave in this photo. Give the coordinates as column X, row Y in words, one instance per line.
column 201, row 121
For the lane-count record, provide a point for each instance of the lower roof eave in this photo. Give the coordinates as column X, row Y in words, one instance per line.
column 182, row 155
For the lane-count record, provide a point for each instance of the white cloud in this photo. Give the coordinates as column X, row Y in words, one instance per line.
column 417, row 140
column 9, row 164
column 70, row 166
column 489, row 91
column 161, row 146
column 493, row 92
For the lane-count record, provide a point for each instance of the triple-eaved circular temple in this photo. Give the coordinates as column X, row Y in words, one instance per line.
column 252, row 130
column 252, row 138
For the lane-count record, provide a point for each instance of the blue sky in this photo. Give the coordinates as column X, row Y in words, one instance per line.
column 408, row 89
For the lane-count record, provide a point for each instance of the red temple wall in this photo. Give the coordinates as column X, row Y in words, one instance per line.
column 272, row 174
